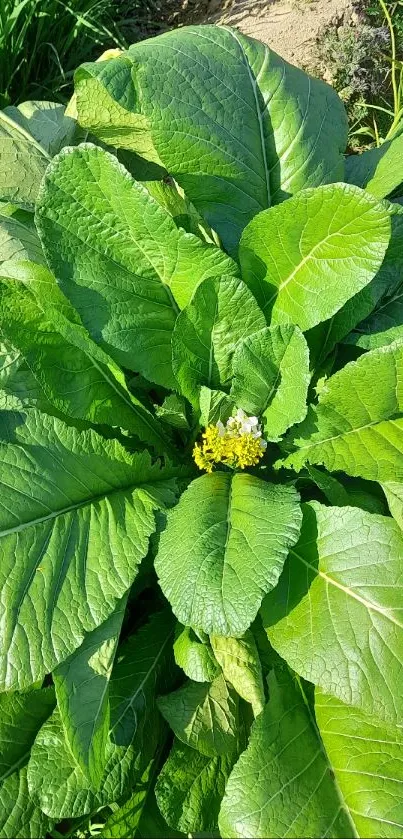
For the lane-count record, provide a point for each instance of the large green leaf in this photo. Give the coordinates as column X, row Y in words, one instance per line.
column 220, row 315
column 336, row 614
column 204, row 716
column 357, row 425
column 224, row 547
column 196, row 659
column 106, row 108
column 47, row 123
column 76, row 513
column 143, row 669
column 347, row 492
column 23, row 162
column 18, row 386
column 120, row 258
column 240, row 662
column 124, row 821
column 152, row 825
column 82, row 685
column 44, row 287
column 366, row 757
column 172, row 197
column 75, row 375
column 173, row 412
column 323, row 338
column 215, row 101
column 20, row 817
column 394, row 495
column 21, row 716
column 380, row 170
column 18, row 240
column 381, row 328
column 282, row 785
column 214, row 405
column 304, row 259
column 271, row 378
column 190, row 787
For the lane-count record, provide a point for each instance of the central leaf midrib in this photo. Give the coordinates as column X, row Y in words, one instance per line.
column 254, row 87
column 349, row 592
column 138, row 409
column 227, row 537
column 312, row 442
column 84, row 503
column 17, row 765
column 107, row 257
column 128, row 703
column 343, row 803
column 211, row 348
column 311, row 255
column 18, row 129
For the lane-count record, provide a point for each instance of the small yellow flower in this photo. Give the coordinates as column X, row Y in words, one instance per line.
column 238, row 444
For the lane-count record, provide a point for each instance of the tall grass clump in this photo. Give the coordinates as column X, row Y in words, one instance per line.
column 43, row 41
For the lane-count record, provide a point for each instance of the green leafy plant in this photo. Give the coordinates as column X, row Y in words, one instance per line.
column 201, row 443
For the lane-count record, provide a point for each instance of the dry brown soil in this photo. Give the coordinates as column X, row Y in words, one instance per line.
column 290, row 27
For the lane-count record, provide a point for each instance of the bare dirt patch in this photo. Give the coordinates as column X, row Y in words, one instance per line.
column 290, row 27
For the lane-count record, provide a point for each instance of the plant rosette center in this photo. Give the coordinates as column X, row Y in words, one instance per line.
column 237, row 444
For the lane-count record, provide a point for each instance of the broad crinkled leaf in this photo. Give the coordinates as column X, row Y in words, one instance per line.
column 173, row 412
column 394, row 496
column 82, row 685
column 240, row 662
column 75, row 375
column 21, row 716
column 20, row 817
column 23, row 162
column 347, row 494
column 271, row 378
column 18, row 240
column 196, row 659
column 336, row 614
column 106, row 106
column 282, row 785
column 304, row 259
column 220, row 315
column 47, row 123
column 143, row 669
column 357, row 425
column 18, row 386
column 190, row 787
column 43, row 286
column 120, row 259
column 204, row 716
column 378, row 171
column 76, row 514
column 366, row 758
column 364, row 305
column 20, row 390
column 381, row 328
column 152, row 825
column 172, row 197
column 124, row 820
column 214, row 102
column 224, row 547
column 214, row 405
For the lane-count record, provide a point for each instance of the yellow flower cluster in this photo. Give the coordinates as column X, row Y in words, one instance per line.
column 236, row 445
